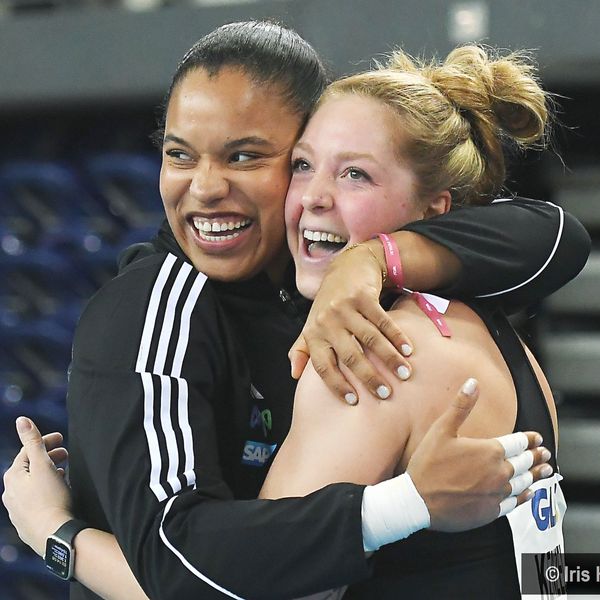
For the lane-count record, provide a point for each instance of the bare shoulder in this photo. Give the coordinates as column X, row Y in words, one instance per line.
column 442, row 364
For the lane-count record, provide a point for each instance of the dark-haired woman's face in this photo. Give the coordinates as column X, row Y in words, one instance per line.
column 225, row 172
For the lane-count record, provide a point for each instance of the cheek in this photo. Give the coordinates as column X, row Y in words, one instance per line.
column 171, row 187
column 293, row 205
column 396, row 213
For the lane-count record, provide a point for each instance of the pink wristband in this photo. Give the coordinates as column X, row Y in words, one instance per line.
column 392, row 260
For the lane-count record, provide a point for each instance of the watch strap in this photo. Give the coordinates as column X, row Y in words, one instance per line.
column 69, row 530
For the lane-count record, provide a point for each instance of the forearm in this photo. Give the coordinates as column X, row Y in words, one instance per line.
column 101, row 567
column 514, row 252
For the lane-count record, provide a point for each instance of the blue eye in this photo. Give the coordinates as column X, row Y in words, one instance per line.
column 356, row 174
column 299, row 165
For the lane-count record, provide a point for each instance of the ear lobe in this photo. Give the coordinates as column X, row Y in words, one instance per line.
column 438, row 205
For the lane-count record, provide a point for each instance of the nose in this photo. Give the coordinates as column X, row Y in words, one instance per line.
column 209, row 183
column 318, row 194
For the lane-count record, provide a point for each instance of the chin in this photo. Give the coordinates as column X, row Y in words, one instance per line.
column 308, row 286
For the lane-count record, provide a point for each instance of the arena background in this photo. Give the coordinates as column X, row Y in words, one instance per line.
column 79, row 83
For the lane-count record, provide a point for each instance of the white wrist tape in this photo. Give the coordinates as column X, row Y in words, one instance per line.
column 391, row 511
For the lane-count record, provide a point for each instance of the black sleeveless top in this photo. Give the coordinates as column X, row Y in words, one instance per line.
column 479, row 563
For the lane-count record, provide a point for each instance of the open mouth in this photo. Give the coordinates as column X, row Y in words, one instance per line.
column 218, row 230
column 319, row 244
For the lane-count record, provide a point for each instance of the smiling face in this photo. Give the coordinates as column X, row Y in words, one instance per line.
column 348, row 183
column 225, row 172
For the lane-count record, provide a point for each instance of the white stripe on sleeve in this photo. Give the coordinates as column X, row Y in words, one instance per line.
column 184, row 560
column 159, row 453
column 561, row 221
column 167, row 326
column 184, row 327
column 152, row 438
column 157, row 290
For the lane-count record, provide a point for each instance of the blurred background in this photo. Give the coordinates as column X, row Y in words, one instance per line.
column 80, row 82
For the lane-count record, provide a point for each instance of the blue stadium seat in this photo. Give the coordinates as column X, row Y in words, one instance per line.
column 46, row 192
column 129, row 185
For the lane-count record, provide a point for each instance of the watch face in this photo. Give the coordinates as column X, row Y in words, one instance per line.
column 58, row 557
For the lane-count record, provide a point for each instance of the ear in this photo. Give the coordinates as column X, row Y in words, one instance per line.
column 439, row 204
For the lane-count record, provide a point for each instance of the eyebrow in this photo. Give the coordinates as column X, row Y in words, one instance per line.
column 342, row 155
column 251, row 140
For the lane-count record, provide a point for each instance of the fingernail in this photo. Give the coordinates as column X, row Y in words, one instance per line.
column 23, row 424
column 406, row 350
column 545, row 455
column 403, row 372
column 351, row 398
column 538, row 440
column 546, row 471
column 383, row 392
column 469, row 387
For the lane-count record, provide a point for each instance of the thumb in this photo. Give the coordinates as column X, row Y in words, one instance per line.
column 462, row 405
column 30, row 437
column 298, row 356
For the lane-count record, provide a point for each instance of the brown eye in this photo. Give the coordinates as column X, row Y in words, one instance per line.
column 178, row 154
column 239, row 157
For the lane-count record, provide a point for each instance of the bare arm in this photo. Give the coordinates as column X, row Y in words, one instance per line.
column 38, row 502
column 370, row 442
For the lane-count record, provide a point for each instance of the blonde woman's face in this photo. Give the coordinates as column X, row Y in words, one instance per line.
column 348, row 184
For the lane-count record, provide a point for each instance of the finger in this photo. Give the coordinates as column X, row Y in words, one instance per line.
column 540, row 455
column 363, row 369
column 370, row 337
column 32, row 441
column 534, row 439
column 507, row 505
column 325, row 364
column 58, row 455
column 542, row 471
column 381, row 319
column 454, row 416
column 520, row 483
column 52, row 440
column 521, row 463
column 298, row 356
column 524, row 497
column 513, row 443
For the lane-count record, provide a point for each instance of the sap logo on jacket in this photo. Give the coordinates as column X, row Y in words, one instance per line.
column 257, row 454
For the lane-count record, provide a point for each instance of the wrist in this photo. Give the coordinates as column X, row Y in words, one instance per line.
column 392, row 510
column 373, row 257
column 59, row 555
column 53, row 521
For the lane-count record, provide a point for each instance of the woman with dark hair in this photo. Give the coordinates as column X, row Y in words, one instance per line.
column 180, row 391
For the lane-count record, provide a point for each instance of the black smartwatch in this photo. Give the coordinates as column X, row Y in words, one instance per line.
column 60, row 554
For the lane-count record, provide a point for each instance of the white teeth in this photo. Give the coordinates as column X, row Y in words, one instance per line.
column 322, row 236
column 203, row 225
column 219, row 238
